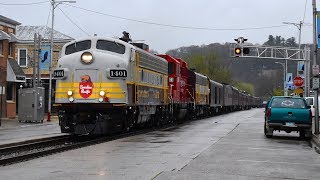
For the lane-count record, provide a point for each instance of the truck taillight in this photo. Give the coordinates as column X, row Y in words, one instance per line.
column 268, row 112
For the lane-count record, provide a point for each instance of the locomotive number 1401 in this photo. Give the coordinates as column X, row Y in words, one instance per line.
column 118, row 73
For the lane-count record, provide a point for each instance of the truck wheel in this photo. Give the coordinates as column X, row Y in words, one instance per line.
column 267, row 132
column 302, row 134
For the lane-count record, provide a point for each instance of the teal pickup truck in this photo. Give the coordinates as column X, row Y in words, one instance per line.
column 288, row 114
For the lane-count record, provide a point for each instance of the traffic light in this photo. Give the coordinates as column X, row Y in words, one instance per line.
column 237, row 51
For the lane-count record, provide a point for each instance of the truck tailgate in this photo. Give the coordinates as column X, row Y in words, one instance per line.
column 290, row 115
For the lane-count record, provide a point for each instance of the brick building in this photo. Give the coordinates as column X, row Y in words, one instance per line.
column 11, row 75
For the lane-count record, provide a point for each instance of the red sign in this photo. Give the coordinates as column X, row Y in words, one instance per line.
column 85, row 86
column 298, row 81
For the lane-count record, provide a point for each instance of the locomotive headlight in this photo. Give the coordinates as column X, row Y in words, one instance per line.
column 71, row 99
column 100, row 99
column 69, row 93
column 102, row 93
column 86, row 58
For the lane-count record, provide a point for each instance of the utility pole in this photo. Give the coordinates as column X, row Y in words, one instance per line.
column 54, row 4
column 314, row 7
column 284, row 77
column 35, row 55
column 306, row 64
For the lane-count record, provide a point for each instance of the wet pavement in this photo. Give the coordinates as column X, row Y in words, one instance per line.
column 230, row 146
column 11, row 131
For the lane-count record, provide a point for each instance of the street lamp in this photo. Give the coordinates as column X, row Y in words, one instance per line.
column 284, row 65
column 54, row 5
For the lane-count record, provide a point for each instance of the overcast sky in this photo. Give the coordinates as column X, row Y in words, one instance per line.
column 207, row 14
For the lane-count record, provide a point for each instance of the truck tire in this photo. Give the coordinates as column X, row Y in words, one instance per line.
column 302, row 134
column 267, row 132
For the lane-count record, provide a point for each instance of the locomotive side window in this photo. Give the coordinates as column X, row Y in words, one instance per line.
column 111, row 46
column 170, row 68
column 78, row 46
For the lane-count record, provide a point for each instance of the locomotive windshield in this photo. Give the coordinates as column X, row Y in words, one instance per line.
column 111, row 46
column 78, row 46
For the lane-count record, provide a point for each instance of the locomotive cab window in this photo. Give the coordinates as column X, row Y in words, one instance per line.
column 78, row 46
column 111, row 46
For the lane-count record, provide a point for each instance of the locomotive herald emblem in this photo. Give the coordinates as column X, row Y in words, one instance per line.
column 85, row 86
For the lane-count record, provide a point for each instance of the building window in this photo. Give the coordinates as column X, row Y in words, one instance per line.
column 10, row 49
column 0, row 47
column 22, row 57
column 10, row 88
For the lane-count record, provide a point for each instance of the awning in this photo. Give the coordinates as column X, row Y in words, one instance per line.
column 4, row 35
column 14, row 72
column 13, row 38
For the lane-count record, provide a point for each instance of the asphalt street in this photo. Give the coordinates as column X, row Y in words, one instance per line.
column 230, row 146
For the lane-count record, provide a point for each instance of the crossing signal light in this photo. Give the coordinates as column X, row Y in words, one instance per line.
column 246, row 50
column 237, row 51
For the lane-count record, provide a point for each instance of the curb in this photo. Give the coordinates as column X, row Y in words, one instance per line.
column 316, row 140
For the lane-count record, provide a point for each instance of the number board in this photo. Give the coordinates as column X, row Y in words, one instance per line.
column 58, row 73
column 118, row 73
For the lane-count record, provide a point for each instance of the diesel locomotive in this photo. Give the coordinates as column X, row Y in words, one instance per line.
column 104, row 85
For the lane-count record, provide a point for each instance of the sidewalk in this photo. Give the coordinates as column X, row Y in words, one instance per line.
column 13, row 131
column 7, row 123
column 315, row 138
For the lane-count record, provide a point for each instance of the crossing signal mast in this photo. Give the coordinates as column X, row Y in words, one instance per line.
column 239, row 50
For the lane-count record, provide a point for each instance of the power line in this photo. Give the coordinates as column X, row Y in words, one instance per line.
column 73, row 22
column 23, row 4
column 176, row 26
column 305, row 9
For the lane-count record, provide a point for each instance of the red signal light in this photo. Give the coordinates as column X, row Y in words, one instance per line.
column 237, row 51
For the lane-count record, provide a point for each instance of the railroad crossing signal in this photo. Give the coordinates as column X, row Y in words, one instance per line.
column 239, row 50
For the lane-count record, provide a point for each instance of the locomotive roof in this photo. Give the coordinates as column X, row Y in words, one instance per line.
column 169, row 58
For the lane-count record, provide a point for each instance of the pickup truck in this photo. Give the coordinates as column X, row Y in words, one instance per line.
column 288, row 114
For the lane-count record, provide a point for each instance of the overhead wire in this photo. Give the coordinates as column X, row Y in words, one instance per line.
column 73, row 21
column 23, row 4
column 174, row 26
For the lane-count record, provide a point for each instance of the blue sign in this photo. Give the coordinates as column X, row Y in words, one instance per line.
column 318, row 29
column 289, row 79
column 45, row 57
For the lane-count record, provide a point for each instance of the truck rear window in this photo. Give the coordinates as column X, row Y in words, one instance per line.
column 288, row 103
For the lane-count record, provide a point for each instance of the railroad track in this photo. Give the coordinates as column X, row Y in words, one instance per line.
column 19, row 152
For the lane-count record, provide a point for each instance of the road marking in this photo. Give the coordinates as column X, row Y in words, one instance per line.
column 276, row 162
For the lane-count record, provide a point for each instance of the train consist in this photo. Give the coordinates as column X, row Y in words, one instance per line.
column 105, row 85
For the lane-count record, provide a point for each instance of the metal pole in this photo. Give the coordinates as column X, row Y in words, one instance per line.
column 39, row 56
column 51, row 59
column 285, row 78
column 54, row 5
column 34, row 60
column 314, row 7
column 35, row 55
